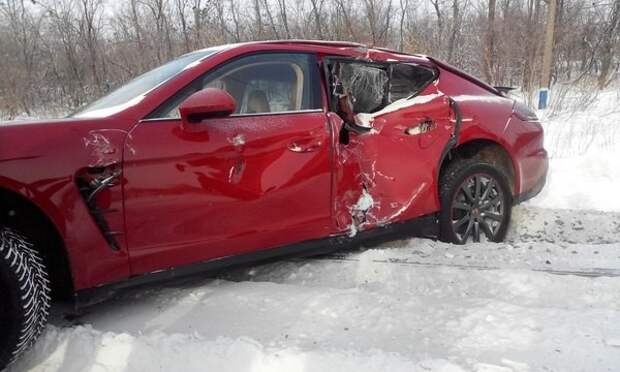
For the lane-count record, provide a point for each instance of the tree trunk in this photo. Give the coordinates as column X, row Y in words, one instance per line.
column 455, row 30
column 317, row 19
column 489, row 46
column 404, row 4
column 439, row 33
column 283, row 15
column 607, row 50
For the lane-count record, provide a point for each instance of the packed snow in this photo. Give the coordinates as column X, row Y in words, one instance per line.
column 547, row 299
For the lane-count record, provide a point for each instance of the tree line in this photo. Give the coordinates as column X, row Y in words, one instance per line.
column 58, row 55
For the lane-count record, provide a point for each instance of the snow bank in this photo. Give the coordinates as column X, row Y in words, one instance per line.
column 590, row 181
column 584, row 147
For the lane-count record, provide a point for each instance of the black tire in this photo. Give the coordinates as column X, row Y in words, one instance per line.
column 468, row 210
column 24, row 295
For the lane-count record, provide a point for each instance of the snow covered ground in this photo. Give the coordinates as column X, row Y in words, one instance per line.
column 548, row 299
column 585, row 149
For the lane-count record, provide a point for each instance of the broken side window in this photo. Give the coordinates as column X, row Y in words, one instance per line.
column 359, row 89
column 369, row 87
column 366, row 85
column 408, row 80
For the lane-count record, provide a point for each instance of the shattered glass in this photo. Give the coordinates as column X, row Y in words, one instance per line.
column 367, row 86
column 408, row 80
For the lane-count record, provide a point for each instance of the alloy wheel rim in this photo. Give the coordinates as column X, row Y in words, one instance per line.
column 477, row 209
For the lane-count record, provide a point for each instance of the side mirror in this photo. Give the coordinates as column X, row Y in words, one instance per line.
column 206, row 104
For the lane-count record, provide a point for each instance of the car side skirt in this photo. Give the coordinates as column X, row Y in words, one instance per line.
column 424, row 226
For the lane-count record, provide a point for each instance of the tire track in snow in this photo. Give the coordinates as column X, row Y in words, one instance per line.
column 532, row 224
column 563, row 242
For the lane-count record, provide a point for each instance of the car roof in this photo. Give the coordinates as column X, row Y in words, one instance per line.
column 338, row 47
column 339, row 44
column 334, row 43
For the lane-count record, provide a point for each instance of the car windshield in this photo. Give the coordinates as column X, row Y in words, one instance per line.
column 133, row 92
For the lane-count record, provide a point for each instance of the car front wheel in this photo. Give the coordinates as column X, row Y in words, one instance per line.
column 24, row 295
column 476, row 202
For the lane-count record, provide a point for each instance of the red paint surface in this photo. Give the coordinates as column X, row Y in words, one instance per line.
column 239, row 184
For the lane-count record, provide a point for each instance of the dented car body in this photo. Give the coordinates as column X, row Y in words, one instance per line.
column 311, row 145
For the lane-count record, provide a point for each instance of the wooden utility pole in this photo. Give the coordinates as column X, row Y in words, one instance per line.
column 545, row 81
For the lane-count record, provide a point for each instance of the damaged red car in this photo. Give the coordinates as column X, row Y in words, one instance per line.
column 246, row 152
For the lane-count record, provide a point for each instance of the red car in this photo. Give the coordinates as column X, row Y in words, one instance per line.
column 245, row 152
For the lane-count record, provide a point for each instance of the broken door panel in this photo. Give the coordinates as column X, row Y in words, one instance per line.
column 387, row 174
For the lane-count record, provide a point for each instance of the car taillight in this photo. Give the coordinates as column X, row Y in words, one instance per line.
column 524, row 113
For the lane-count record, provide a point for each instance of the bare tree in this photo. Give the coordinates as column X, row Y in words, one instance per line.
column 532, row 44
column 284, row 17
column 439, row 33
column 272, row 22
column 90, row 29
column 456, row 21
column 379, row 15
column 489, row 47
column 344, row 10
column 235, row 19
column 181, row 5
column 404, row 4
column 609, row 42
column 316, row 11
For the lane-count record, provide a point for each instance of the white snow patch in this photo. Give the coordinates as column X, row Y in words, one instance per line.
column 365, row 202
column 156, row 351
column 613, row 341
column 238, row 140
column 584, row 168
column 484, row 367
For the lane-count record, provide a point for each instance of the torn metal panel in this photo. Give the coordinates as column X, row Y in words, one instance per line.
column 100, row 182
column 374, row 184
column 102, row 196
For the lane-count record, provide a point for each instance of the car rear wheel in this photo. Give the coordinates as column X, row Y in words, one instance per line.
column 24, row 295
column 476, row 202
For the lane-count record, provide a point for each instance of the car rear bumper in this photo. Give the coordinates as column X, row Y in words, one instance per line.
column 539, row 163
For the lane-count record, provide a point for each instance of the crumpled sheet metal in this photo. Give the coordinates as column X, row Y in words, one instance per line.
column 371, row 189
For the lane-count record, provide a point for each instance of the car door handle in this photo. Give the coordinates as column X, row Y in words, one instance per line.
column 424, row 126
column 305, row 145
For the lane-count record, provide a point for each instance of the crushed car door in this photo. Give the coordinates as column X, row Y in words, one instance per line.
column 394, row 125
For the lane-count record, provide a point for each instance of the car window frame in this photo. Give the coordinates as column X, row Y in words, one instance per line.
column 329, row 60
column 315, row 77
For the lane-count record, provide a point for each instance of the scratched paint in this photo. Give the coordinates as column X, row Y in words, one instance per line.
column 104, row 146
